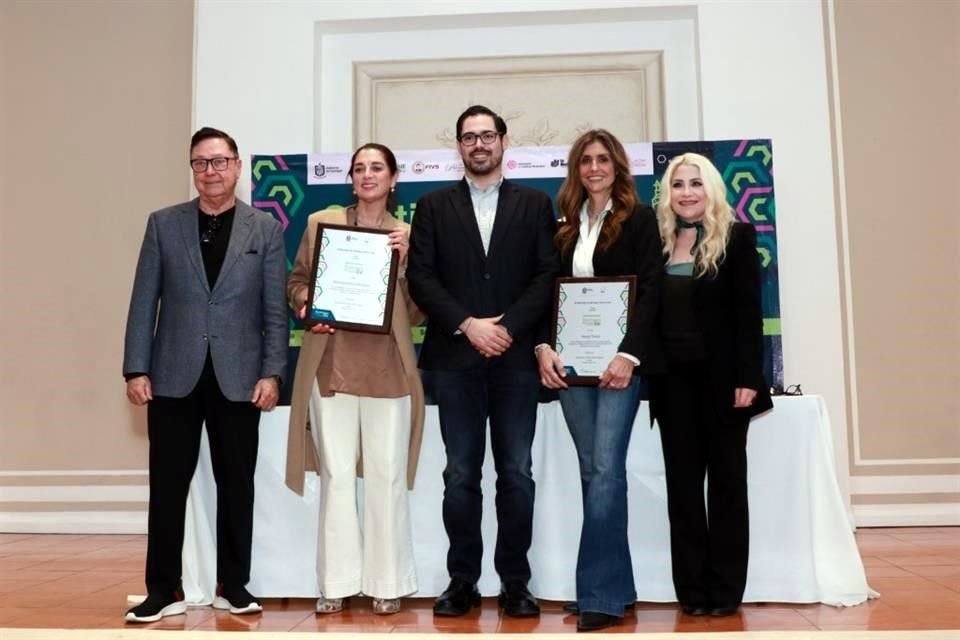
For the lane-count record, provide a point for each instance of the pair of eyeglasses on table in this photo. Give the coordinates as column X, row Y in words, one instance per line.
column 792, row 390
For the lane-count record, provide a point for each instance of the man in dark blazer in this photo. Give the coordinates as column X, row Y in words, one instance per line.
column 206, row 343
column 482, row 267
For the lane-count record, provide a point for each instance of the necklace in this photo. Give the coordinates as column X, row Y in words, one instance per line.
column 356, row 221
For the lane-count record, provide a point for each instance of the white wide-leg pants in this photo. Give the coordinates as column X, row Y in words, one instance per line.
column 375, row 558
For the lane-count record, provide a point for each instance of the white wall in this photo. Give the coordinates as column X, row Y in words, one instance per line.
column 432, row 38
column 761, row 73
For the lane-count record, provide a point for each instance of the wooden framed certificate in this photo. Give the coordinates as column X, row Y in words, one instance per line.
column 353, row 278
column 590, row 318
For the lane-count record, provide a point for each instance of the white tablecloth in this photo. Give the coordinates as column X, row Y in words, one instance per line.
column 801, row 545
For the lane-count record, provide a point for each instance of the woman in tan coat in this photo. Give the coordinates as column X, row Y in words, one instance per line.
column 370, row 408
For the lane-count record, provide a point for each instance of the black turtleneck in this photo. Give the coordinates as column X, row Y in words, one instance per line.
column 214, row 235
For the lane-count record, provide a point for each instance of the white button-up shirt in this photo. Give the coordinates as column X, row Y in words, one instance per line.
column 587, row 242
column 485, row 208
column 586, row 245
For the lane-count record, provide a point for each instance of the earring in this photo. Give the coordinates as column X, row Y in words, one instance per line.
column 392, row 189
column 354, row 192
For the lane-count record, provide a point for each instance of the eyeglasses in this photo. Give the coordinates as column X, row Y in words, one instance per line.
column 470, row 138
column 199, row 165
column 213, row 225
column 792, row 390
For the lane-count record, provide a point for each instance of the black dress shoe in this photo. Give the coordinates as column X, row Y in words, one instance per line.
column 593, row 621
column 720, row 612
column 694, row 610
column 457, row 600
column 571, row 607
column 517, row 601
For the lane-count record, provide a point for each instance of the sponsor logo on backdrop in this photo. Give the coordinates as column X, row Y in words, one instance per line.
column 330, row 168
column 419, row 167
column 641, row 158
column 532, row 164
column 664, row 152
column 321, row 170
column 558, row 162
column 428, row 166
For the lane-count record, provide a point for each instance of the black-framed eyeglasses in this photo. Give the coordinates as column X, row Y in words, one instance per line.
column 213, row 225
column 486, row 137
column 199, row 165
column 792, row 390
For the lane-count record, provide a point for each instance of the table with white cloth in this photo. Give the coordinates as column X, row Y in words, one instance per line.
column 802, row 547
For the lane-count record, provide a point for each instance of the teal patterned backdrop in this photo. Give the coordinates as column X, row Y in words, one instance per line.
column 280, row 188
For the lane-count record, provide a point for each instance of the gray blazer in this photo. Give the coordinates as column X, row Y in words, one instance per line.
column 242, row 319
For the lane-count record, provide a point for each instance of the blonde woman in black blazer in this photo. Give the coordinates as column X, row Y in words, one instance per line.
column 710, row 346
column 606, row 231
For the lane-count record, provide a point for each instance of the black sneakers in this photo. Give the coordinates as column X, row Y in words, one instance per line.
column 158, row 606
column 236, row 600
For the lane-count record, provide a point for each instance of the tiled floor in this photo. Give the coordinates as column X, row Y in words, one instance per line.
column 82, row 582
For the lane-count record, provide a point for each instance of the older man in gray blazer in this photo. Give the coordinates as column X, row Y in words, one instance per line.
column 206, row 343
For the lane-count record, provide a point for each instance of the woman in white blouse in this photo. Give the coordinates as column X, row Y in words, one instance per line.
column 605, row 231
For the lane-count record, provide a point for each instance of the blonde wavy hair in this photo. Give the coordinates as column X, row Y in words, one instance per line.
column 717, row 219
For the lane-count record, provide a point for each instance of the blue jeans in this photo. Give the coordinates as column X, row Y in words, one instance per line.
column 600, row 421
column 465, row 400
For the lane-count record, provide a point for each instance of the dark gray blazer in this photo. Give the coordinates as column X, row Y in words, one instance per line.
column 242, row 319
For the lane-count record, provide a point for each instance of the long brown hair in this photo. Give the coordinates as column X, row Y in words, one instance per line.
column 572, row 194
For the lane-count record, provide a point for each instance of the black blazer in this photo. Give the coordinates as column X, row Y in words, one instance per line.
column 451, row 279
column 727, row 307
column 635, row 252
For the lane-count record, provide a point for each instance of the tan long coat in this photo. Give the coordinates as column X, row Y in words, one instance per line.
column 301, row 452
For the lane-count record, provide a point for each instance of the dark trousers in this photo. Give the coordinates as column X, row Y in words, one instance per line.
column 465, row 400
column 709, row 542
column 174, row 427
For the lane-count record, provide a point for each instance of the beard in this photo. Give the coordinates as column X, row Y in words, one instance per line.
column 484, row 166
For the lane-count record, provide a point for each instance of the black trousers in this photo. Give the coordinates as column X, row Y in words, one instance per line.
column 709, row 541
column 174, row 427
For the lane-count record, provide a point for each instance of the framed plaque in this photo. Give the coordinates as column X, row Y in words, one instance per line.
column 353, row 278
column 590, row 318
